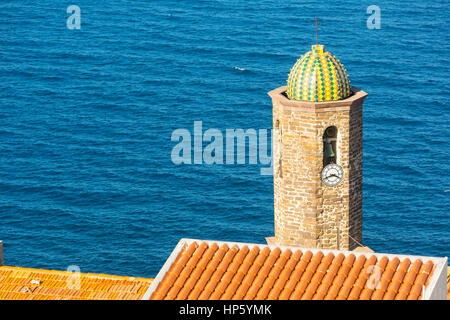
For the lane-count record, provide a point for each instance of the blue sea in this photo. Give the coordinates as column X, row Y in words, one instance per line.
column 86, row 117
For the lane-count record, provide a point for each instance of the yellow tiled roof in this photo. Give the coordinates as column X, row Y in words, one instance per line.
column 37, row 284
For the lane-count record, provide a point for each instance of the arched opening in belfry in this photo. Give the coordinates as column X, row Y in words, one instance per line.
column 329, row 145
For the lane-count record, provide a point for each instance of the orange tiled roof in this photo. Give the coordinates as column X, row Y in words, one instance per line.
column 35, row 284
column 208, row 270
column 448, row 283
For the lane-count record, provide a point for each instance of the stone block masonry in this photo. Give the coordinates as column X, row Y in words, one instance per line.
column 307, row 212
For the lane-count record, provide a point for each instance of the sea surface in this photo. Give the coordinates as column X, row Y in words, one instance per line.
column 86, row 118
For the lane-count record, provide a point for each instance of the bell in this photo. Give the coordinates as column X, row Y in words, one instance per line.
column 328, row 150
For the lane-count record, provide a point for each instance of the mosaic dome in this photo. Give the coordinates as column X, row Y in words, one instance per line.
column 318, row 76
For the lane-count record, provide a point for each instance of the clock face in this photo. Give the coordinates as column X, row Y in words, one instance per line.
column 332, row 174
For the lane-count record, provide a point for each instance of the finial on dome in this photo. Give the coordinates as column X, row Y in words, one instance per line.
column 318, row 48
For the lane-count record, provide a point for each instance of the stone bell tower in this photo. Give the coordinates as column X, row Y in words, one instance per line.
column 317, row 155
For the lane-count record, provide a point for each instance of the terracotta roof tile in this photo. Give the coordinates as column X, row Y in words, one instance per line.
column 197, row 272
column 296, row 275
column 37, row 284
column 230, row 273
column 251, row 275
column 420, row 280
column 284, row 275
column 273, row 275
column 202, row 270
column 218, row 273
column 307, row 275
column 327, row 280
column 317, row 277
column 262, row 274
column 448, row 285
column 363, row 276
column 341, row 277
column 240, row 274
column 351, row 278
column 386, row 277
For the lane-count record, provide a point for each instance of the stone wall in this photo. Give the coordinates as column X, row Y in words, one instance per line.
column 307, row 212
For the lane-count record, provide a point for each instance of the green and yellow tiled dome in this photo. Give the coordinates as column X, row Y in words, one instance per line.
column 318, row 76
